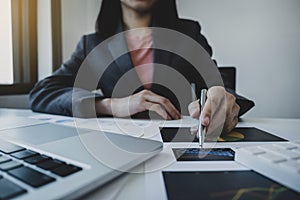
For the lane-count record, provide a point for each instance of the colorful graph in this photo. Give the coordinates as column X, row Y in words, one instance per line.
column 258, row 193
column 221, row 185
column 231, row 137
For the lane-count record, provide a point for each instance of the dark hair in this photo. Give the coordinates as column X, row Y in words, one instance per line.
column 164, row 15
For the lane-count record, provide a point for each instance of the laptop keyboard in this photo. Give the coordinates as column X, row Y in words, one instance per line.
column 18, row 162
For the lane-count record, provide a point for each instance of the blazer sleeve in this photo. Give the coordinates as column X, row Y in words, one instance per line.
column 244, row 103
column 56, row 94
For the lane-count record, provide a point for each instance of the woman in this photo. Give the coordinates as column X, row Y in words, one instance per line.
column 54, row 94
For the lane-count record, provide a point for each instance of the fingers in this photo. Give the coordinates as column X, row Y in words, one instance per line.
column 220, row 111
column 163, row 103
column 158, row 109
column 231, row 115
column 194, row 109
column 206, row 113
column 232, row 111
column 214, row 108
column 142, row 101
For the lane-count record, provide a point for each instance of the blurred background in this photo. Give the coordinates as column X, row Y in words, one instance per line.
column 261, row 38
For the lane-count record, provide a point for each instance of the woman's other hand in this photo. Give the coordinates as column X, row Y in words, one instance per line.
column 142, row 101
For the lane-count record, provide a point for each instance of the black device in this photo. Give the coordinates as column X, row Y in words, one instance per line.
column 220, row 185
column 197, row 154
column 247, row 134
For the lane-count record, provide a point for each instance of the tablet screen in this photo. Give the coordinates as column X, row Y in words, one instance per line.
column 238, row 185
column 196, row 154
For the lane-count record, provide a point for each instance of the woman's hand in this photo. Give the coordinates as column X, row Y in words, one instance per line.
column 220, row 112
column 142, row 101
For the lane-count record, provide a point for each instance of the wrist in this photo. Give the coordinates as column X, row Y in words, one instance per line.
column 103, row 107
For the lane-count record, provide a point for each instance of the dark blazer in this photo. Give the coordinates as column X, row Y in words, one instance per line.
column 62, row 93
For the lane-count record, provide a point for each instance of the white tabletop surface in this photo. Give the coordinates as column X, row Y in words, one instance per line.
column 150, row 185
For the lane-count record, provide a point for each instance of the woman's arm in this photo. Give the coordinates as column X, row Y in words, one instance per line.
column 136, row 103
column 54, row 93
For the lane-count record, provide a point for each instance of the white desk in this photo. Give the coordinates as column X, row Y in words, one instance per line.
column 150, row 185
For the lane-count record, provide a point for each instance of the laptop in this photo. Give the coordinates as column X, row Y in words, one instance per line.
column 52, row 161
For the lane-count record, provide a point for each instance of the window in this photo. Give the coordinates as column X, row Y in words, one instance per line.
column 18, row 46
column 6, row 58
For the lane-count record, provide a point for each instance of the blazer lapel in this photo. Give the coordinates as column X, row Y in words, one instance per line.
column 117, row 46
column 160, row 56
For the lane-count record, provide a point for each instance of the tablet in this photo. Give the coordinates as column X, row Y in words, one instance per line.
column 196, row 154
column 220, row 185
column 246, row 134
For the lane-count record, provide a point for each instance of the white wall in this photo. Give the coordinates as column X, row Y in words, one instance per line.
column 260, row 37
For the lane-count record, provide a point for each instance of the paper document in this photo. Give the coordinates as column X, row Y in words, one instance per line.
column 132, row 127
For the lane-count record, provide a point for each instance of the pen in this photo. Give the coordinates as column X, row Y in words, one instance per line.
column 201, row 128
